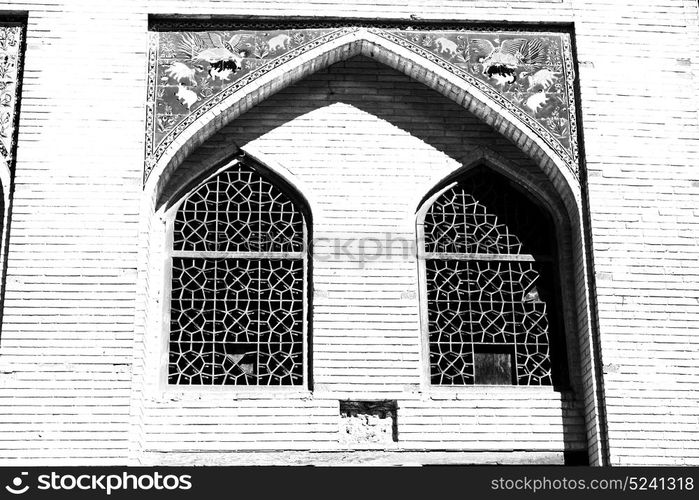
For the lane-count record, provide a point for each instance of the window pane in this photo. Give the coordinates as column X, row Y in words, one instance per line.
column 491, row 304
column 493, row 365
column 484, row 214
column 236, row 321
column 489, row 309
column 238, row 211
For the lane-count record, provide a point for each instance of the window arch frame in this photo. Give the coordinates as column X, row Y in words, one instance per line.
column 169, row 215
column 562, row 343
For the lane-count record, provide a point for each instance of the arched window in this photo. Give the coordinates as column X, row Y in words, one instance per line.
column 489, row 272
column 238, row 297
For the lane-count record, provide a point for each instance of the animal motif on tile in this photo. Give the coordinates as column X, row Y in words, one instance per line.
column 500, row 63
column 536, row 101
column 182, row 73
column 446, row 46
column 530, row 73
column 279, row 42
column 224, row 58
column 186, row 97
column 543, row 78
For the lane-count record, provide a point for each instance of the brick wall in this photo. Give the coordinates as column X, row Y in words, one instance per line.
column 641, row 145
column 71, row 307
column 366, row 144
column 65, row 351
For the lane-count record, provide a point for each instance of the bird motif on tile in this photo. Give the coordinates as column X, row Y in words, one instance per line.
column 224, row 58
column 500, row 63
column 182, row 73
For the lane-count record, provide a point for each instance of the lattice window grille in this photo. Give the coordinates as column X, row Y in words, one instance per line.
column 488, row 270
column 238, row 284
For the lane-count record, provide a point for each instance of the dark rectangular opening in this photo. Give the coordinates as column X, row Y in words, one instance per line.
column 494, row 364
column 383, row 409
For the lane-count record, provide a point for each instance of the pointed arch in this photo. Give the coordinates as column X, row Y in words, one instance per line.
column 239, row 280
column 560, row 201
column 370, row 43
column 563, row 208
column 495, row 245
column 171, row 192
column 551, row 166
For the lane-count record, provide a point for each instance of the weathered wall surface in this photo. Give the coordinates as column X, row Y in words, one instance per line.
column 67, row 335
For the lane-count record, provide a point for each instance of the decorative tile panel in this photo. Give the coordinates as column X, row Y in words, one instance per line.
column 11, row 37
column 528, row 73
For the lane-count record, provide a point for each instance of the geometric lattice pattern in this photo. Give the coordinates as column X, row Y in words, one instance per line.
column 234, row 319
column 483, row 214
column 238, row 211
column 480, row 302
column 485, row 299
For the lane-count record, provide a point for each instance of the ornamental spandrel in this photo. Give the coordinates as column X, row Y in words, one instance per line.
column 192, row 69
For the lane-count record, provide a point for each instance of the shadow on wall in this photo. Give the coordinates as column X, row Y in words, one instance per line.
column 408, row 105
column 373, row 88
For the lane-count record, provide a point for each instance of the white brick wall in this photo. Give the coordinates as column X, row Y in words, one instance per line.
column 66, row 348
column 641, row 144
column 365, row 144
column 65, row 351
